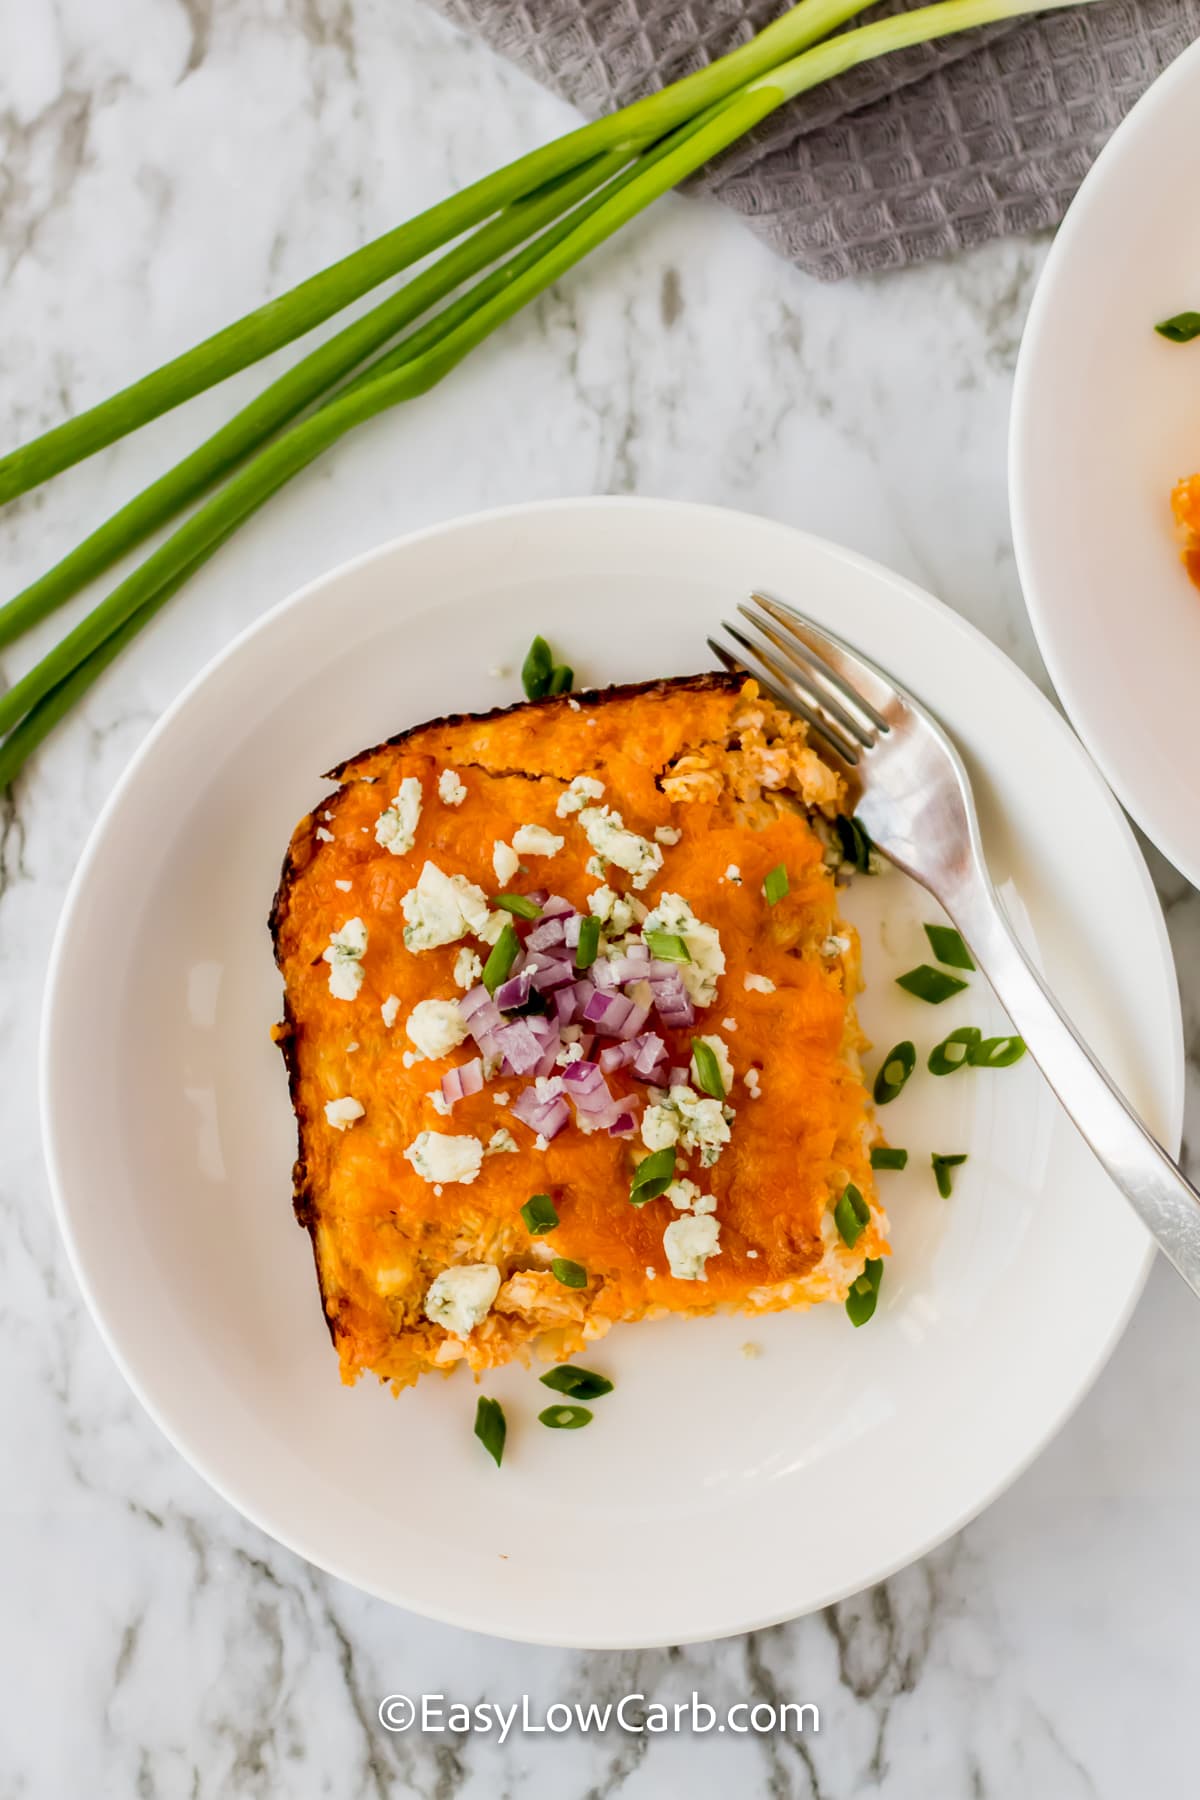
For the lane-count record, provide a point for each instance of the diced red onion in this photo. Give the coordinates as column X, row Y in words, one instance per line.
column 647, row 1052
column 678, row 1077
column 629, row 968
column 459, row 1083
column 544, row 1116
column 633, row 1024
column 552, row 975
column 581, row 1076
column 544, row 1029
column 485, row 1022
column 521, row 1048
column 555, row 907
column 608, row 1012
column 473, row 999
column 547, row 933
column 603, row 973
column 626, row 1121
column 617, row 1056
column 549, row 1059
column 515, row 991
column 539, row 896
column 565, row 1004
column 571, row 930
column 657, row 1077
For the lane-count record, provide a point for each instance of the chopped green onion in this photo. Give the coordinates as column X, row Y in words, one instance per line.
column 708, row 1069
column 884, row 1157
column 942, row 1166
column 864, row 1293
column 997, row 1053
column 1181, row 329
column 930, row 984
column 856, row 843
column 518, row 904
column 505, row 952
column 537, row 669
column 851, row 1215
column 898, row 1065
column 954, row 1052
column 539, row 1215
column 653, row 1176
column 948, row 946
column 565, row 1418
column 581, row 1384
column 588, row 946
column 666, row 946
column 776, row 884
column 491, row 1427
column 562, row 679
column 571, row 1274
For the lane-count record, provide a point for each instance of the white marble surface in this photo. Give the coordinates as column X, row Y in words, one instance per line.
column 163, row 164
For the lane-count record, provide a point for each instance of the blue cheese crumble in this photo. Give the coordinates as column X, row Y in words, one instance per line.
column 577, row 794
column 606, row 833
column 441, row 909
column 344, row 955
column 396, row 826
column 459, row 1299
column 452, row 790
column 342, row 1113
column 438, row 1157
column 682, row 1117
column 436, row 1027
column 689, row 1242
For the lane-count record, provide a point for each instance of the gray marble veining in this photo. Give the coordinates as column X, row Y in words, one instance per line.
column 163, row 164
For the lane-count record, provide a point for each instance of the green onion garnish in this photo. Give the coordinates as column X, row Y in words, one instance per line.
column 860, row 1301
column 653, row 1176
column 942, row 1166
column 666, row 946
column 518, row 904
column 539, row 1215
column 571, row 1274
column 581, row 1384
column 588, row 946
column 954, row 1052
column 491, row 1427
column 505, row 952
column 851, row 1215
column 856, row 843
column 565, row 1418
column 562, row 679
column 1181, row 329
column 997, row 1053
column 884, row 1157
column 898, row 1065
column 775, row 884
column 708, row 1069
column 930, row 984
column 948, row 946
column 537, row 669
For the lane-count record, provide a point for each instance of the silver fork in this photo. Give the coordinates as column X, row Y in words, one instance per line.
column 916, row 803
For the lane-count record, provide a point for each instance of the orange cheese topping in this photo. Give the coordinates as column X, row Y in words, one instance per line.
column 381, row 1231
column 1185, row 505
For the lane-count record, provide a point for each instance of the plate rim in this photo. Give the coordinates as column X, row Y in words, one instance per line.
column 1022, row 423
column 51, row 1024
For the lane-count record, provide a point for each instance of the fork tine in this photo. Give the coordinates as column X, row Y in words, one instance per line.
column 757, row 662
column 811, row 676
column 859, row 682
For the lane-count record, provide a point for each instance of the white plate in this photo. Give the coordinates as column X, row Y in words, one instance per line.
column 713, row 1493
column 1106, row 417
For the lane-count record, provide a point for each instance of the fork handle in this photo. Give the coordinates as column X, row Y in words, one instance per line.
column 1161, row 1195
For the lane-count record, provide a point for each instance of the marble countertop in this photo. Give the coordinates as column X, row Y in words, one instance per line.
column 163, row 165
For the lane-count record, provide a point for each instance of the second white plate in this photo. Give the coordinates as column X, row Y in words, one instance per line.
column 1106, row 418
column 713, row 1493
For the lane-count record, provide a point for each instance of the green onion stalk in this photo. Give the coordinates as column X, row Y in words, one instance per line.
column 509, row 237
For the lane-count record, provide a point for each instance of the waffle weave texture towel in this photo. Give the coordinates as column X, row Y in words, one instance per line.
column 917, row 155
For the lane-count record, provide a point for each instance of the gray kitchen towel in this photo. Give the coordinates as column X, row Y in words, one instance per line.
column 932, row 150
